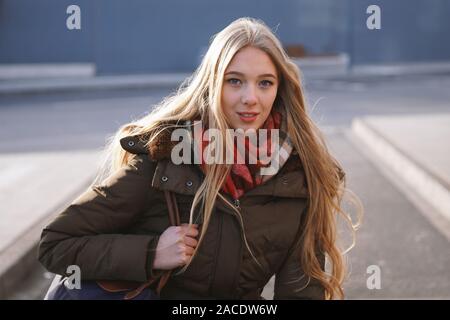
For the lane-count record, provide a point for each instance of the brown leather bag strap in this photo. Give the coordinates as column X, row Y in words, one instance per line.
column 174, row 220
column 174, row 215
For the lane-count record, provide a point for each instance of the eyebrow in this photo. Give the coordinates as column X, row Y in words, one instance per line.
column 260, row 76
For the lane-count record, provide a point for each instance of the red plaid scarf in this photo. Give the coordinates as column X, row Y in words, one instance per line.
column 244, row 176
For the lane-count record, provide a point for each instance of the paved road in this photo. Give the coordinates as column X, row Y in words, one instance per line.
column 412, row 255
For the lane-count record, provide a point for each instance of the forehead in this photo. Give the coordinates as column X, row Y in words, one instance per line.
column 251, row 61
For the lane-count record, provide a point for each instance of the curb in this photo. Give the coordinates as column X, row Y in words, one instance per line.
column 431, row 188
column 44, row 70
column 400, row 69
column 58, row 85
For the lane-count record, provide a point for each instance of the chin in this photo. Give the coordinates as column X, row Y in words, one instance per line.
column 246, row 127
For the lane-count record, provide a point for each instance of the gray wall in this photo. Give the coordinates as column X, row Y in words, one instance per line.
column 141, row 36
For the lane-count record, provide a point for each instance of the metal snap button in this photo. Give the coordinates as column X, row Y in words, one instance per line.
column 164, row 178
column 189, row 183
column 131, row 143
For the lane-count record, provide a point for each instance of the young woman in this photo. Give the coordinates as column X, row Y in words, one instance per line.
column 240, row 224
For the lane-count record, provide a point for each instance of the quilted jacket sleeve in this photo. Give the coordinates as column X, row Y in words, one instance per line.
column 88, row 233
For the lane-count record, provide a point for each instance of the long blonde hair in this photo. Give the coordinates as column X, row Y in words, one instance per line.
column 200, row 96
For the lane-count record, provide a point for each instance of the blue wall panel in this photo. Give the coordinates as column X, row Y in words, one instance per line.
column 142, row 36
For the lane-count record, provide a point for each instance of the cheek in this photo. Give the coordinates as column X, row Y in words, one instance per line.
column 229, row 96
column 228, row 102
column 229, row 99
column 268, row 99
column 273, row 94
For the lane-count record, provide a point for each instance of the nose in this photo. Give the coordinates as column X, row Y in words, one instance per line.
column 249, row 95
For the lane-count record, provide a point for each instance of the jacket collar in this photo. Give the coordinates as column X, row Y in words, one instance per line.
column 186, row 178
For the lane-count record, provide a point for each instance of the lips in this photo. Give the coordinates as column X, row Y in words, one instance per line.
column 248, row 116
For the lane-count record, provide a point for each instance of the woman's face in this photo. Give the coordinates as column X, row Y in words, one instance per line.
column 249, row 89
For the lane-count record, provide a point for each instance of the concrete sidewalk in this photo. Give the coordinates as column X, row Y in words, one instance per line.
column 34, row 187
column 413, row 152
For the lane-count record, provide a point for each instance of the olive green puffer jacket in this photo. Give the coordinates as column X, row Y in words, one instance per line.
column 111, row 231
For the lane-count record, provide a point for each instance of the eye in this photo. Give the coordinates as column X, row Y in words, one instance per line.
column 266, row 83
column 234, row 81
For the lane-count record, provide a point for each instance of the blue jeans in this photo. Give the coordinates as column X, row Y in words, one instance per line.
column 90, row 290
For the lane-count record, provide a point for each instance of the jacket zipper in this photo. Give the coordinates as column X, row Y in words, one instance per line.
column 233, row 203
column 236, row 206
